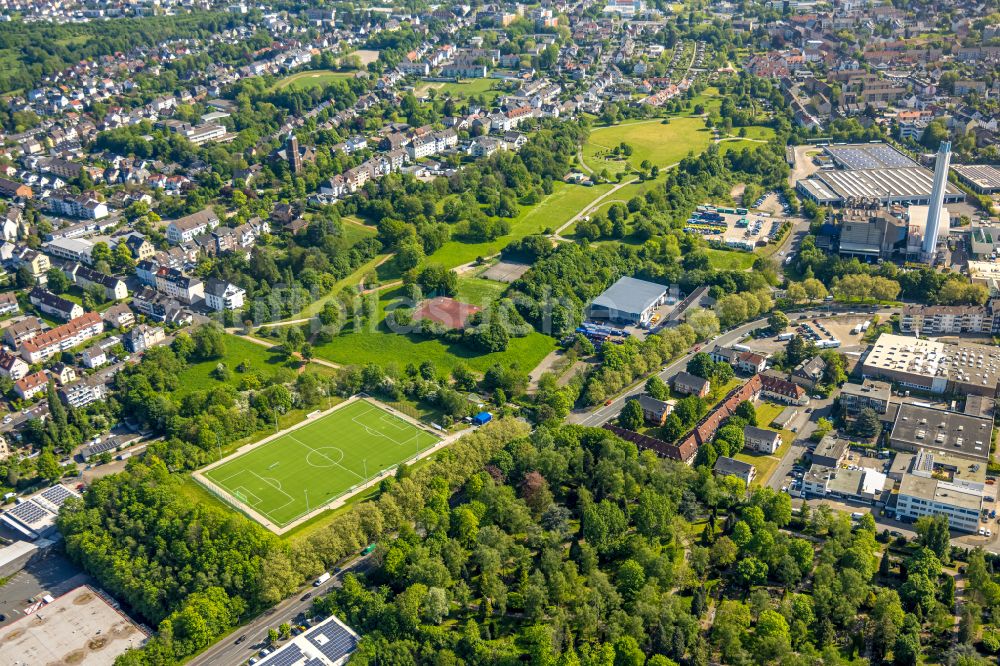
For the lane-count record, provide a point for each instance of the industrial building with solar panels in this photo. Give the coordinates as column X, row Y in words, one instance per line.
column 870, row 173
column 35, row 516
column 329, row 643
column 890, row 207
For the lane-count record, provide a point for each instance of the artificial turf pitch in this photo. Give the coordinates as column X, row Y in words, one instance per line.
column 312, row 465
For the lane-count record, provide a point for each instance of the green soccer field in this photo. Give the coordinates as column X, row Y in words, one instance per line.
column 312, row 465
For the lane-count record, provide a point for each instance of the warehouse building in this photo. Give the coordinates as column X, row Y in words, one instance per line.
column 83, row 626
column 933, row 366
column 919, row 426
column 983, row 178
column 872, row 173
column 629, row 301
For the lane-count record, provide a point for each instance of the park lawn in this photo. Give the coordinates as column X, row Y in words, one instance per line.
column 351, row 280
column 730, row 260
column 479, row 291
column 197, row 376
column 378, row 344
column 315, row 464
column 552, row 212
column 660, row 144
column 466, row 88
column 313, row 78
column 385, row 347
column 354, row 233
column 756, row 136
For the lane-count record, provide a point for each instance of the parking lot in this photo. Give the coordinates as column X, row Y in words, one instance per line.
column 735, row 227
column 49, row 572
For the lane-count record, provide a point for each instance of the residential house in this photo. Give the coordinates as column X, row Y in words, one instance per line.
column 221, row 295
column 12, row 367
column 14, row 190
column 80, row 206
column 63, row 373
column 870, row 394
column 139, row 247
column 750, row 363
column 56, row 306
column 809, row 373
column 175, row 284
column 21, row 331
column 688, row 384
column 184, row 229
column 653, row 411
column 118, row 315
column 725, row 466
column 761, row 440
column 484, row 146
column 11, row 224
column 94, row 356
column 142, row 337
column 31, row 385
column 782, row 390
column 86, row 278
column 9, row 304
column 36, row 262
column 84, row 392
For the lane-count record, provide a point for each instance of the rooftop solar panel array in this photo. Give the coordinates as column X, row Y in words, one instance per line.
column 332, row 640
column 870, row 156
column 109, row 444
column 286, row 656
column 30, row 512
column 57, row 495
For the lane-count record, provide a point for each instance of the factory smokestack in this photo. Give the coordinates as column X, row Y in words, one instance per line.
column 941, row 164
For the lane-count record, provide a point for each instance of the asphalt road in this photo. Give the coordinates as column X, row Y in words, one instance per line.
column 226, row 652
column 604, row 413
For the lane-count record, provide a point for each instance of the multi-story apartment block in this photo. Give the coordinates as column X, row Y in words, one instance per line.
column 62, row 338
column 945, row 319
column 870, row 394
column 184, row 229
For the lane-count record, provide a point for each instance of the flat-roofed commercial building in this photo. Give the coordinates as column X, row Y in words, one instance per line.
column 936, row 367
column 907, row 186
column 79, row 627
column 921, row 427
column 921, row 496
column 984, row 242
column 858, row 485
column 986, row 273
column 629, row 300
column 983, row 178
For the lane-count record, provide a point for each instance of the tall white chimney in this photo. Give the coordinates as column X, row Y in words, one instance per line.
column 941, row 164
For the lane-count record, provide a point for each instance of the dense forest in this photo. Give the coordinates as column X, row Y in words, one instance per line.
column 562, row 546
